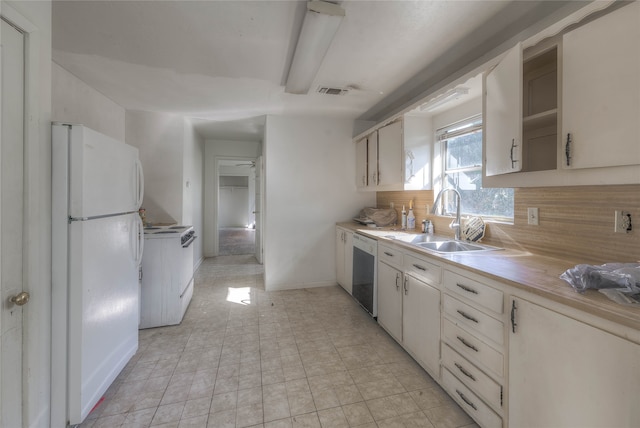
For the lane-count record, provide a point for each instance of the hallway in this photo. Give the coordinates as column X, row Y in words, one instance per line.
column 235, row 241
column 244, row 357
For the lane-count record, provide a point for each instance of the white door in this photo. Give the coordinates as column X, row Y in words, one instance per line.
column 503, row 115
column 11, row 225
column 259, row 203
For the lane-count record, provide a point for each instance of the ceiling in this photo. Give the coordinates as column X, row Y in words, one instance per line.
column 224, row 63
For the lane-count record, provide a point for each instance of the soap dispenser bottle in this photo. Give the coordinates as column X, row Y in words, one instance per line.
column 411, row 219
column 404, row 218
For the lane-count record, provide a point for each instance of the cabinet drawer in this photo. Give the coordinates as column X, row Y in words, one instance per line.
column 421, row 268
column 469, row 317
column 474, row 349
column 472, row 377
column 475, row 291
column 391, row 256
column 470, row 401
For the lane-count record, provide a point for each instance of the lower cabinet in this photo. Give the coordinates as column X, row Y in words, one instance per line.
column 508, row 361
column 421, row 323
column 409, row 304
column 344, row 258
column 565, row 373
column 390, row 289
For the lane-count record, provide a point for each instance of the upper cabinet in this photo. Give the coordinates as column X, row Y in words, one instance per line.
column 395, row 157
column 566, row 111
column 521, row 112
column 601, row 91
column 503, row 115
column 390, row 151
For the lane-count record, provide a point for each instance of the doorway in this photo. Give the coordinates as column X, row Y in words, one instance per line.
column 236, row 207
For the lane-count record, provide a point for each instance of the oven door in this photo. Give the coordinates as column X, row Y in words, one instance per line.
column 364, row 268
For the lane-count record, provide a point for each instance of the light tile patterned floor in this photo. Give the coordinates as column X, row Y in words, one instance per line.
column 243, row 357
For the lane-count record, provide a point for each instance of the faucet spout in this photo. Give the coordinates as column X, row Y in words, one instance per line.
column 455, row 224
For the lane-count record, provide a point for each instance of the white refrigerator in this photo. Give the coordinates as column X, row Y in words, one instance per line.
column 97, row 236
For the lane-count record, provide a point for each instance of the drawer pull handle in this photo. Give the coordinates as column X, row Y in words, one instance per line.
column 467, row 344
column 420, row 267
column 467, row 289
column 464, row 372
column 466, row 400
column 467, row 316
column 397, row 278
column 388, row 254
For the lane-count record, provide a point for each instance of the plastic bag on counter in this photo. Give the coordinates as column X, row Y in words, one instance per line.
column 380, row 216
column 625, row 277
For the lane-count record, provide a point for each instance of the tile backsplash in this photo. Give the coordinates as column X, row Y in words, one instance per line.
column 575, row 223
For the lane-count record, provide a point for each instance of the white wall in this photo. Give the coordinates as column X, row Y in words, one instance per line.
column 234, row 206
column 73, row 101
column 214, row 151
column 35, row 18
column 193, row 189
column 310, row 185
column 159, row 137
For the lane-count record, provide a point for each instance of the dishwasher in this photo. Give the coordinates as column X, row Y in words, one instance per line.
column 365, row 268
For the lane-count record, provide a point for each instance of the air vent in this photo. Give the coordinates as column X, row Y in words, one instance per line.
column 332, row 91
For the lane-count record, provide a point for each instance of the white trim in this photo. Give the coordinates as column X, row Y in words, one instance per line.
column 37, row 251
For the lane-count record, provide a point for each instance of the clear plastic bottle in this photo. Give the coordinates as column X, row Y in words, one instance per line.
column 404, row 218
column 411, row 220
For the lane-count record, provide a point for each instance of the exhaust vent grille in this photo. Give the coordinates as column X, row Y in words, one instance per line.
column 332, row 91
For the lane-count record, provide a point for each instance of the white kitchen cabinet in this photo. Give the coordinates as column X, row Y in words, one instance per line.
column 473, row 355
column 361, row 164
column 344, row 258
column 521, row 112
column 601, row 91
column 396, row 156
column 503, row 115
column 390, row 289
column 421, row 323
column 565, row 373
column 390, row 156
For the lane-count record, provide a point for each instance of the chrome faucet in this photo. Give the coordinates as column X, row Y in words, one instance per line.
column 455, row 224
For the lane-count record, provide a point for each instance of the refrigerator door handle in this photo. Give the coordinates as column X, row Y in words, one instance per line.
column 139, row 183
column 138, row 240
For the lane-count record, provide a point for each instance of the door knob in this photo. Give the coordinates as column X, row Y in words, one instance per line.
column 20, row 299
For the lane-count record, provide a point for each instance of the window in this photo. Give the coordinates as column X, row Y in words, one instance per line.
column 462, row 157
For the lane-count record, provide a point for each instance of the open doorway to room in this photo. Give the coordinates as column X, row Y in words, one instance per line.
column 236, row 207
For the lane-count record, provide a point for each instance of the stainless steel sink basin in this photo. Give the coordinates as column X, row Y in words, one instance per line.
column 453, row 246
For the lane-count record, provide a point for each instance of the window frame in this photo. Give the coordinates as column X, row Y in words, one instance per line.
column 458, row 129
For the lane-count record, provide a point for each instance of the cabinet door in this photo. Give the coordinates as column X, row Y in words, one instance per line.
column 348, row 261
column 340, row 259
column 503, row 115
column 390, row 300
column 564, row 373
column 361, row 164
column 390, row 155
column 601, row 90
column 421, row 323
column 372, row 159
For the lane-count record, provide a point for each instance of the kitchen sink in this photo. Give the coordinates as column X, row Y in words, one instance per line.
column 453, row 246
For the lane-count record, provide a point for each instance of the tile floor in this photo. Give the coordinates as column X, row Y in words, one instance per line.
column 244, row 357
column 236, row 241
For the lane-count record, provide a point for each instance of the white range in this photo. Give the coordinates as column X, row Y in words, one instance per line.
column 167, row 275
